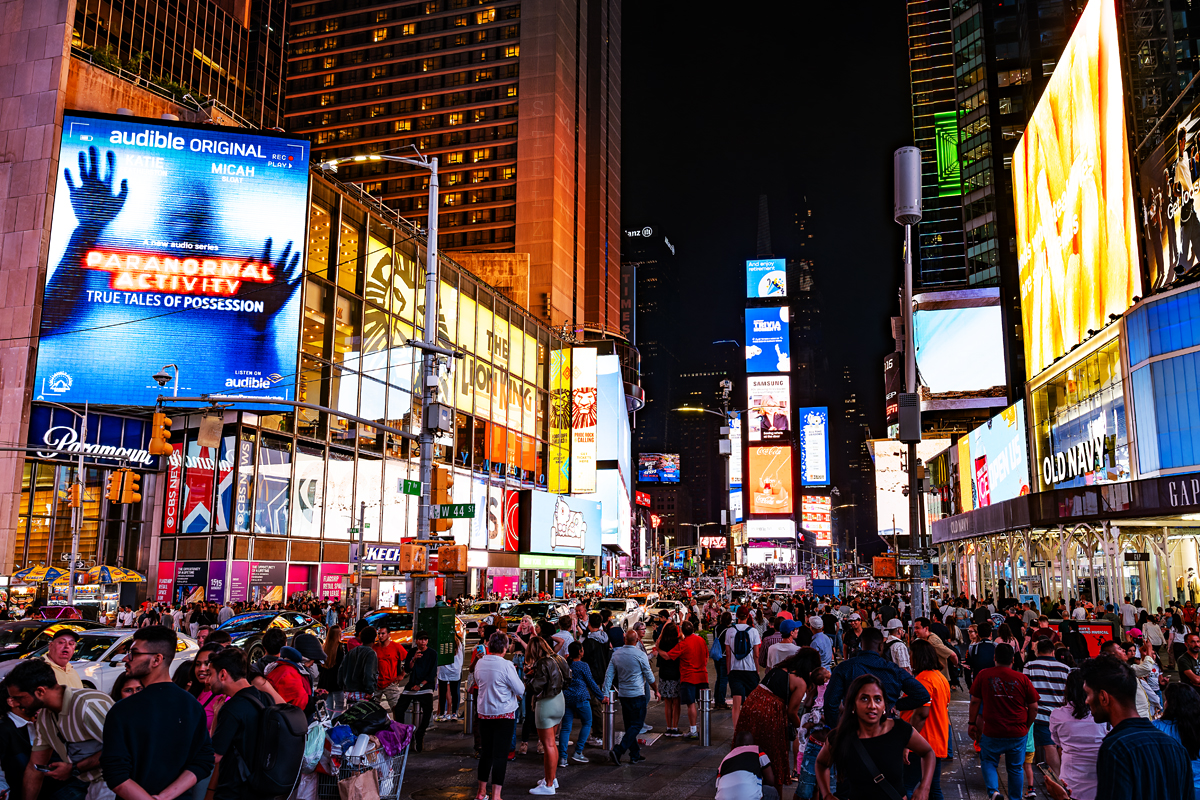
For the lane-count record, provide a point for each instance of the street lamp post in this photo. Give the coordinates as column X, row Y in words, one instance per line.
column 76, row 513
column 727, row 415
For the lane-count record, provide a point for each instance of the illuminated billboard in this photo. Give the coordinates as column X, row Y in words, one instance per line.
column 172, row 244
column 559, row 468
column 766, row 277
column 959, row 343
column 584, row 416
column 998, row 459
column 1169, row 188
column 814, row 446
column 945, row 135
column 658, row 468
column 1076, row 237
column 770, row 398
column 815, row 515
column 771, row 479
column 891, row 482
column 770, row 529
column 735, row 448
column 559, row 524
column 767, row 345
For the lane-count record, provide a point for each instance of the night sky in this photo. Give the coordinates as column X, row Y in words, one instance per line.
column 803, row 102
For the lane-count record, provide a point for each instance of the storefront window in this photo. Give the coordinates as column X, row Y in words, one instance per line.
column 339, row 495
column 350, row 246
column 307, row 491
column 308, row 422
column 343, row 390
column 316, row 314
column 369, row 485
column 319, row 219
column 347, row 331
column 272, row 489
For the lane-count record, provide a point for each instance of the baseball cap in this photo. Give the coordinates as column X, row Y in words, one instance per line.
column 816, row 623
column 309, row 647
column 74, row 634
column 894, row 624
column 853, row 617
column 788, row 626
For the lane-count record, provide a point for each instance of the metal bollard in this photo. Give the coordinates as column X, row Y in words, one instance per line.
column 705, row 712
column 610, row 720
column 469, row 714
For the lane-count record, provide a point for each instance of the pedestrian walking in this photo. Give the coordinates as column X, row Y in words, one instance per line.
column 742, row 643
column 869, row 748
column 59, row 653
column 691, row 654
column 359, row 673
column 936, row 726
column 1079, row 737
column 630, row 668
column 391, row 657
column 449, row 680
column 1006, row 704
column 499, row 690
column 421, row 667
column 744, row 771
column 1181, row 721
column 236, row 736
column 1049, row 678
column 577, row 694
column 548, row 674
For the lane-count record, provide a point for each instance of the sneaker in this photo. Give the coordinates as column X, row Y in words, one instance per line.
column 635, row 759
column 596, row 741
column 541, row 750
column 614, row 758
column 542, row 788
column 580, row 758
column 647, row 728
column 692, row 735
column 522, row 748
column 562, row 764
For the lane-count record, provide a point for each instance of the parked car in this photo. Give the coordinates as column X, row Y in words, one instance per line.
column 626, row 611
column 645, row 600
column 537, row 610
column 473, row 617
column 100, row 655
column 247, row 630
column 674, row 607
column 20, row 637
column 399, row 623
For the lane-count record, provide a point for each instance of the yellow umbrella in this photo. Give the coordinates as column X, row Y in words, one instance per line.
column 105, row 574
column 38, row 574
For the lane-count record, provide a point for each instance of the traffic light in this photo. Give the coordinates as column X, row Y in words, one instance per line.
column 131, row 490
column 112, row 489
column 439, row 494
column 160, row 432
column 75, row 493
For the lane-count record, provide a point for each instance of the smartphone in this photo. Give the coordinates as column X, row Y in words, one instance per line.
column 41, row 768
column 1049, row 773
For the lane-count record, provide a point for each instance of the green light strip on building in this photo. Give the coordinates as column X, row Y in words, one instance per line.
column 945, row 135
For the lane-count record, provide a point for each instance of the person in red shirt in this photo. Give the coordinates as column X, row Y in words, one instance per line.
column 391, row 658
column 1003, row 706
column 692, row 652
column 287, row 676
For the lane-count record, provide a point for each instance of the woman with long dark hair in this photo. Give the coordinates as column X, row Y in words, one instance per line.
column 1078, row 738
column 771, row 713
column 936, row 731
column 724, row 623
column 868, row 748
column 1175, row 637
column 1181, row 721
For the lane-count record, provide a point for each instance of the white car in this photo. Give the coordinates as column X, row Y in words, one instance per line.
column 676, row 608
column 626, row 611
column 100, row 655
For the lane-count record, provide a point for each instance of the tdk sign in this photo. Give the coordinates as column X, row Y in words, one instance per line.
column 383, row 555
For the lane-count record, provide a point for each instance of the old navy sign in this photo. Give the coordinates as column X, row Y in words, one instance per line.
column 1082, row 459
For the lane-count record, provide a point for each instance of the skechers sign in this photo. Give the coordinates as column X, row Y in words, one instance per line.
column 381, row 555
column 172, row 244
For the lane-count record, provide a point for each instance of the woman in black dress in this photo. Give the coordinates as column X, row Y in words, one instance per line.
column 864, row 730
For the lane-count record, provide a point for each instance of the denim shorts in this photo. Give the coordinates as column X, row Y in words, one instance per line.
column 1041, row 734
column 742, row 682
column 689, row 692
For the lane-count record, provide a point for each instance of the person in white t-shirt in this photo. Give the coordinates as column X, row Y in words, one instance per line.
column 743, row 671
column 786, row 647
column 1129, row 614
column 742, row 772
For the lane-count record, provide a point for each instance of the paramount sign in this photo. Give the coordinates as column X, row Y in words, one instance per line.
column 64, row 442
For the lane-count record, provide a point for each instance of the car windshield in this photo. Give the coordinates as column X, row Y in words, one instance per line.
column 13, row 636
column 535, row 610
column 249, row 622
column 395, row 621
column 482, row 608
column 667, row 604
column 90, row 647
column 612, row 605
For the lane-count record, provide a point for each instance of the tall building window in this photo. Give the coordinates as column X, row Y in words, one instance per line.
column 408, row 29
column 380, row 34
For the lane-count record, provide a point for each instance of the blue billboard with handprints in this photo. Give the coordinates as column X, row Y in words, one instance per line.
column 766, row 277
column 768, row 347
column 172, row 244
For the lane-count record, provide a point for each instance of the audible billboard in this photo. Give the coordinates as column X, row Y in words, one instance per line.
column 172, row 244
column 1076, row 238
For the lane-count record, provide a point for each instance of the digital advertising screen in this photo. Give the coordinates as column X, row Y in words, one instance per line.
column 771, row 479
column 1170, row 182
column 658, row 468
column 959, row 343
column 584, row 418
column 735, row 447
column 891, row 482
column 816, row 516
column 770, row 529
column 559, row 524
column 814, row 446
column 172, row 244
column 770, row 398
column 767, row 343
column 766, row 277
column 1077, row 250
column 999, row 457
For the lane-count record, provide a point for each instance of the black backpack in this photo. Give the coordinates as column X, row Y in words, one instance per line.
column 282, row 730
column 742, row 647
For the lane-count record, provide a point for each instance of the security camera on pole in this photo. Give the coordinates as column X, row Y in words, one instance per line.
column 907, row 194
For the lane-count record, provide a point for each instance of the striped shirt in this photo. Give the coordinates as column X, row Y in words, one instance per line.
column 1050, row 679
column 81, row 720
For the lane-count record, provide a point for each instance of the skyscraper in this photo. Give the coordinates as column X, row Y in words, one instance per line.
column 938, row 256
column 520, row 103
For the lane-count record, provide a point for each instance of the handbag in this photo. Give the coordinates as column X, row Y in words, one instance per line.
column 365, row 716
column 363, row 786
column 865, row 757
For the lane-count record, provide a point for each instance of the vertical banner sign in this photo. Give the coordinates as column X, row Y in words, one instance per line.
column 245, row 478
column 166, row 580
column 584, row 412
column 216, row 581
column 174, row 478
column 814, row 446
column 558, row 480
column 239, row 582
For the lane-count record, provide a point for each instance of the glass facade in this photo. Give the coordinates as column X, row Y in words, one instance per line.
column 1078, row 422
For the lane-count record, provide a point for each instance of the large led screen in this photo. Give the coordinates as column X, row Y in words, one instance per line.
column 891, row 482
column 767, row 345
column 1170, row 183
column 816, row 513
column 770, row 529
column 172, row 244
column 1076, row 238
column 771, row 479
column 999, row 458
column 814, row 446
column 770, row 399
column 658, row 468
column 766, row 277
column 960, row 343
column 559, row 524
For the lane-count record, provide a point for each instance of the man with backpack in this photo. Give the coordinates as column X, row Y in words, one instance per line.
column 742, row 643
column 421, row 666
column 894, row 648
column 259, row 746
column 597, row 650
column 155, row 741
column 359, row 671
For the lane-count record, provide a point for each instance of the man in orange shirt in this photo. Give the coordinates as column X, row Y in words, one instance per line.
column 391, row 656
column 926, row 667
column 692, row 652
